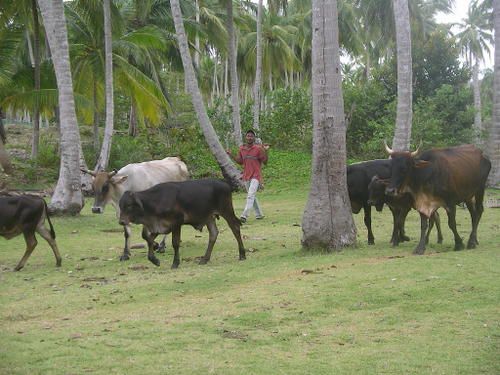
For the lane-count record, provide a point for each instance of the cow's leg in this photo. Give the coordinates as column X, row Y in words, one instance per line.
column 45, row 233
column 429, row 229
column 150, row 239
column 437, row 221
column 235, row 225
column 176, row 241
column 213, row 232
column 160, row 248
column 367, row 209
column 452, row 211
column 402, row 219
column 475, row 214
column 424, row 223
column 126, row 250
column 29, row 237
column 396, row 216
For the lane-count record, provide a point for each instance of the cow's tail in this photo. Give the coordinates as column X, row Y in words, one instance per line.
column 52, row 232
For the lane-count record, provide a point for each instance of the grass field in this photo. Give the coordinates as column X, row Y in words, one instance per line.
column 365, row 310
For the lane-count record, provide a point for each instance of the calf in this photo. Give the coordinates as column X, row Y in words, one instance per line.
column 164, row 208
column 26, row 214
column 400, row 206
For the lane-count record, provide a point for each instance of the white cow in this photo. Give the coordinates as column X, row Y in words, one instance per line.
column 110, row 186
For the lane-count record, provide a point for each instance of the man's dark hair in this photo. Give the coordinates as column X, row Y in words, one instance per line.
column 250, row 131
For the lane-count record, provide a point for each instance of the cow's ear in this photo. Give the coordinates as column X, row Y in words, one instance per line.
column 422, row 163
column 118, row 179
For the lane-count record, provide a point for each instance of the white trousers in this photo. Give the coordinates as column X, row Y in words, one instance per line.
column 252, row 202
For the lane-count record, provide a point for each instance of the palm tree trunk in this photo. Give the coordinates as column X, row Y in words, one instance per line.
column 235, row 86
column 229, row 171
column 67, row 197
column 478, row 127
column 327, row 222
column 258, row 70
column 494, row 133
column 197, row 37
column 36, row 108
column 103, row 160
column 96, row 119
column 4, row 156
column 132, row 123
column 402, row 132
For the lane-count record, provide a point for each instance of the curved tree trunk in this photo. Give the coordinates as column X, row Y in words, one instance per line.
column 67, row 197
column 494, row 133
column 402, row 132
column 327, row 222
column 4, row 156
column 103, row 160
column 258, row 70
column 235, row 86
column 478, row 127
column 36, row 59
column 229, row 170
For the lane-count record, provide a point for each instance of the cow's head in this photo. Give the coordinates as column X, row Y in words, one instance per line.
column 402, row 167
column 131, row 208
column 104, row 186
column 376, row 192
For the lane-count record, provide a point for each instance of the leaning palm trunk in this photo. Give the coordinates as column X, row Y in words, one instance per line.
column 67, row 197
column 36, row 61
column 327, row 222
column 494, row 133
column 229, row 171
column 103, row 160
column 258, row 69
column 402, row 132
column 478, row 127
column 235, row 86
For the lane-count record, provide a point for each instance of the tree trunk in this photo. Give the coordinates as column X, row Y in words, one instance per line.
column 103, row 160
column 36, row 108
column 229, row 170
column 327, row 222
column 258, row 70
column 197, row 37
column 235, row 86
column 96, row 121
column 494, row 133
column 4, row 156
column 402, row 132
column 478, row 127
column 132, row 122
column 67, row 197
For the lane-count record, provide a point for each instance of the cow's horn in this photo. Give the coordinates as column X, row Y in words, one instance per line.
column 88, row 172
column 112, row 173
column 387, row 148
column 415, row 153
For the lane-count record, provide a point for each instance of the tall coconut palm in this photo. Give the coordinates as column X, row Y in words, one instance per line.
column 494, row 133
column 103, row 160
column 474, row 39
column 258, row 69
column 67, row 197
column 36, row 60
column 402, row 132
column 228, row 169
column 327, row 222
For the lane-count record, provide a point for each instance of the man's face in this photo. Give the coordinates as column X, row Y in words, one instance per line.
column 250, row 138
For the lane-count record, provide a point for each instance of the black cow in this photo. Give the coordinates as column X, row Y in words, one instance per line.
column 442, row 178
column 164, row 208
column 402, row 204
column 359, row 176
column 26, row 214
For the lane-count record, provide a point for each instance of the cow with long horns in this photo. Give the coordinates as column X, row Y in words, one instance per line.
column 441, row 178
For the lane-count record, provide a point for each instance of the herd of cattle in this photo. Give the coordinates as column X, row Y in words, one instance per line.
column 158, row 195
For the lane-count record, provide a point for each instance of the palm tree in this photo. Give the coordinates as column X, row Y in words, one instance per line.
column 103, row 160
column 402, row 132
column 4, row 156
column 228, row 169
column 473, row 39
column 494, row 133
column 67, row 197
column 36, row 63
column 258, row 69
column 327, row 222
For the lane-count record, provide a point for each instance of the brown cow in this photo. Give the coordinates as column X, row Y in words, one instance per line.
column 442, row 178
column 26, row 214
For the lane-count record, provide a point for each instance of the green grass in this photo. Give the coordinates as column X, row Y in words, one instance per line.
column 365, row 310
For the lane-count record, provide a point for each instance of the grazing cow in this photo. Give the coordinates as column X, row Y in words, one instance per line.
column 110, row 186
column 442, row 178
column 359, row 176
column 402, row 204
column 26, row 214
column 164, row 208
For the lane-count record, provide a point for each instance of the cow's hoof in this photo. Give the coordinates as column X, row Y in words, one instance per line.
column 175, row 266
column 58, row 263
column 18, row 268
column 124, row 257
column 203, row 261
column 155, row 261
column 371, row 242
column 243, row 257
column 405, row 238
column 471, row 245
column 418, row 251
column 160, row 250
column 459, row 246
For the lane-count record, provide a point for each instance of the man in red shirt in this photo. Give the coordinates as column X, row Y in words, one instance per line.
column 251, row 156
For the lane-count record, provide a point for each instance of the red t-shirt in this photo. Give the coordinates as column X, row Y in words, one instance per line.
column 251, row 157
